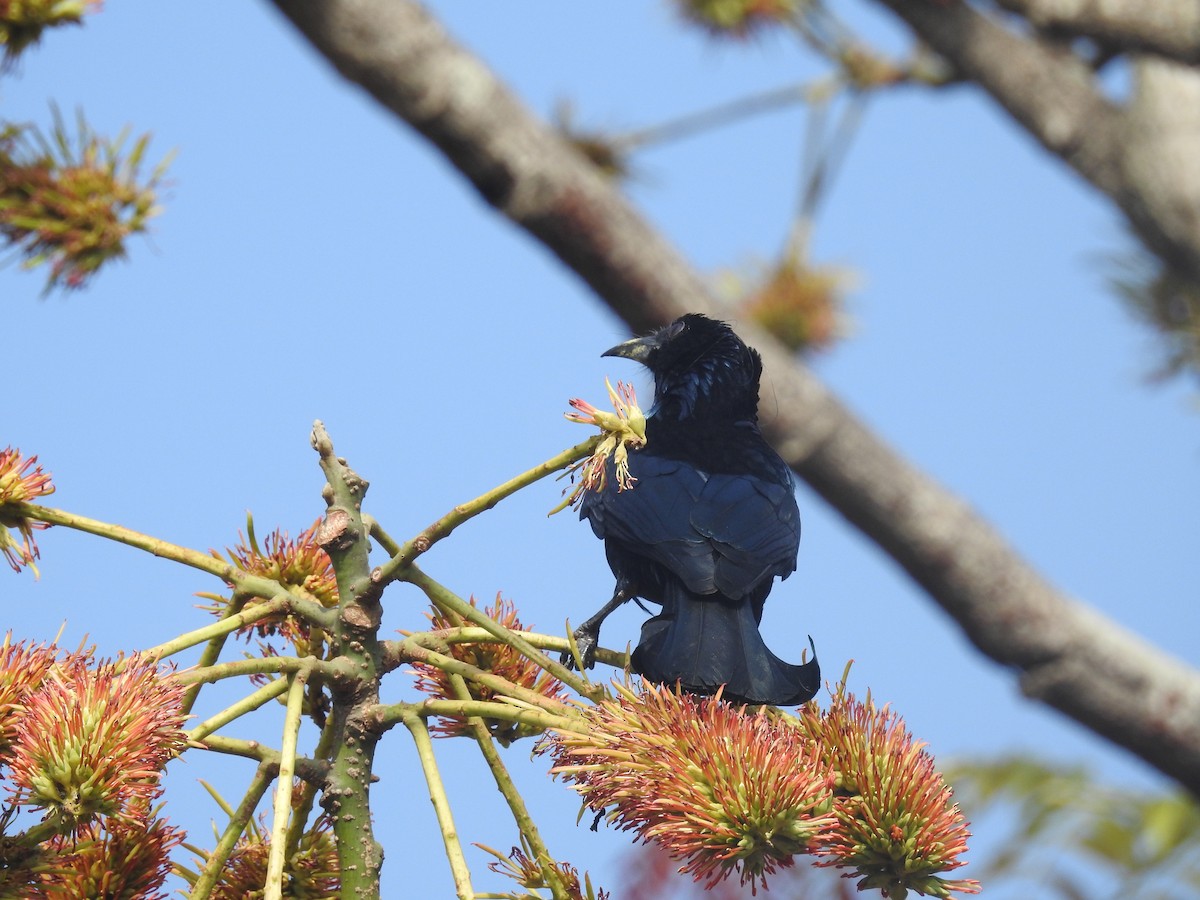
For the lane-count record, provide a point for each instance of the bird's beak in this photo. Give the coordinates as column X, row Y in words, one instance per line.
column 637, row 349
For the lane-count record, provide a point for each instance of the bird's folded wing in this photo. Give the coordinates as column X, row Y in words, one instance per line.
column 715, row 532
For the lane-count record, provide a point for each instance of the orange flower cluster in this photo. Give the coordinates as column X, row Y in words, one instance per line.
column 495, row 657
column 115, row 857
column 300, row 565
column 93, row 739
column 311, row 872
column 726, row 790
column 21, row 480
column 800, row 305
column 86, row 743
column 898, row 827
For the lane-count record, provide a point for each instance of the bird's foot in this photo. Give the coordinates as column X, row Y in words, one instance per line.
column 586, row 641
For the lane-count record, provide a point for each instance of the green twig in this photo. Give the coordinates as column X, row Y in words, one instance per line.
column 414, row 652
column 273, row 889
column 302, row 806
column 410, row 550
column 441, row 805
column 221, row 628
column 511, row 711
column 215, row 863
column 389, row 544
column 393, row 655
column 447, row 599
column 246, row 705
column 266, row 665
column 508, row 790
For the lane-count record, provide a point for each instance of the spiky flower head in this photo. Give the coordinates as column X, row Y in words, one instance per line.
column 126, row 858
column 300, row 565
column 738, row 18
column 522, row 866
column 720, row 788
column 22, row 669
column 495, row 657
column 72, row 203
column 94, row 739
column 311, row 872
column 23, row 21
column 897, row 826
column 21, row 480
column 799, row 304
column 622, row 429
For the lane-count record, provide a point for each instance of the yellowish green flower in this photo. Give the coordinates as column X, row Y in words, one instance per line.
column 23, row 21
column 71, row 203
column 623, row 429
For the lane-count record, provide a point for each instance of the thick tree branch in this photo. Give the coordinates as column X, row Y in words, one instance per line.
column 1168, row 28
column 1054, row 95
column 1069, row 656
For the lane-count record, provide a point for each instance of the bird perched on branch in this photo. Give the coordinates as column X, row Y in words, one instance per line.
column 709, row 524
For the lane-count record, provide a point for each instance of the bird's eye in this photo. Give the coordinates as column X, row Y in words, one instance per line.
column 675, row 329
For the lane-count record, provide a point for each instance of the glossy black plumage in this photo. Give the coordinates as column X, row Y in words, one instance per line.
column 709, row 525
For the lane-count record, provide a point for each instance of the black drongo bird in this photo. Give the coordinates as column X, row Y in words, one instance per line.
column 709, row 524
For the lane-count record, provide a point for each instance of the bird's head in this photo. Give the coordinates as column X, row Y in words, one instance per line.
column 699, row 364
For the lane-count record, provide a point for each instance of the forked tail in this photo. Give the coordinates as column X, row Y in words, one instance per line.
column 704, row 642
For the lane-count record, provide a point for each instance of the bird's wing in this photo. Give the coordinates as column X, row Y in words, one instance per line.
column 715, row 532
column 653, row 518
column 754, row 527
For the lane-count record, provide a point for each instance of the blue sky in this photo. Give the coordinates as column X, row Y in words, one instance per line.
column 316, row 260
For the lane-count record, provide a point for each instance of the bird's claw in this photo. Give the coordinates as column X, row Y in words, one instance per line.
column 586, row 641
